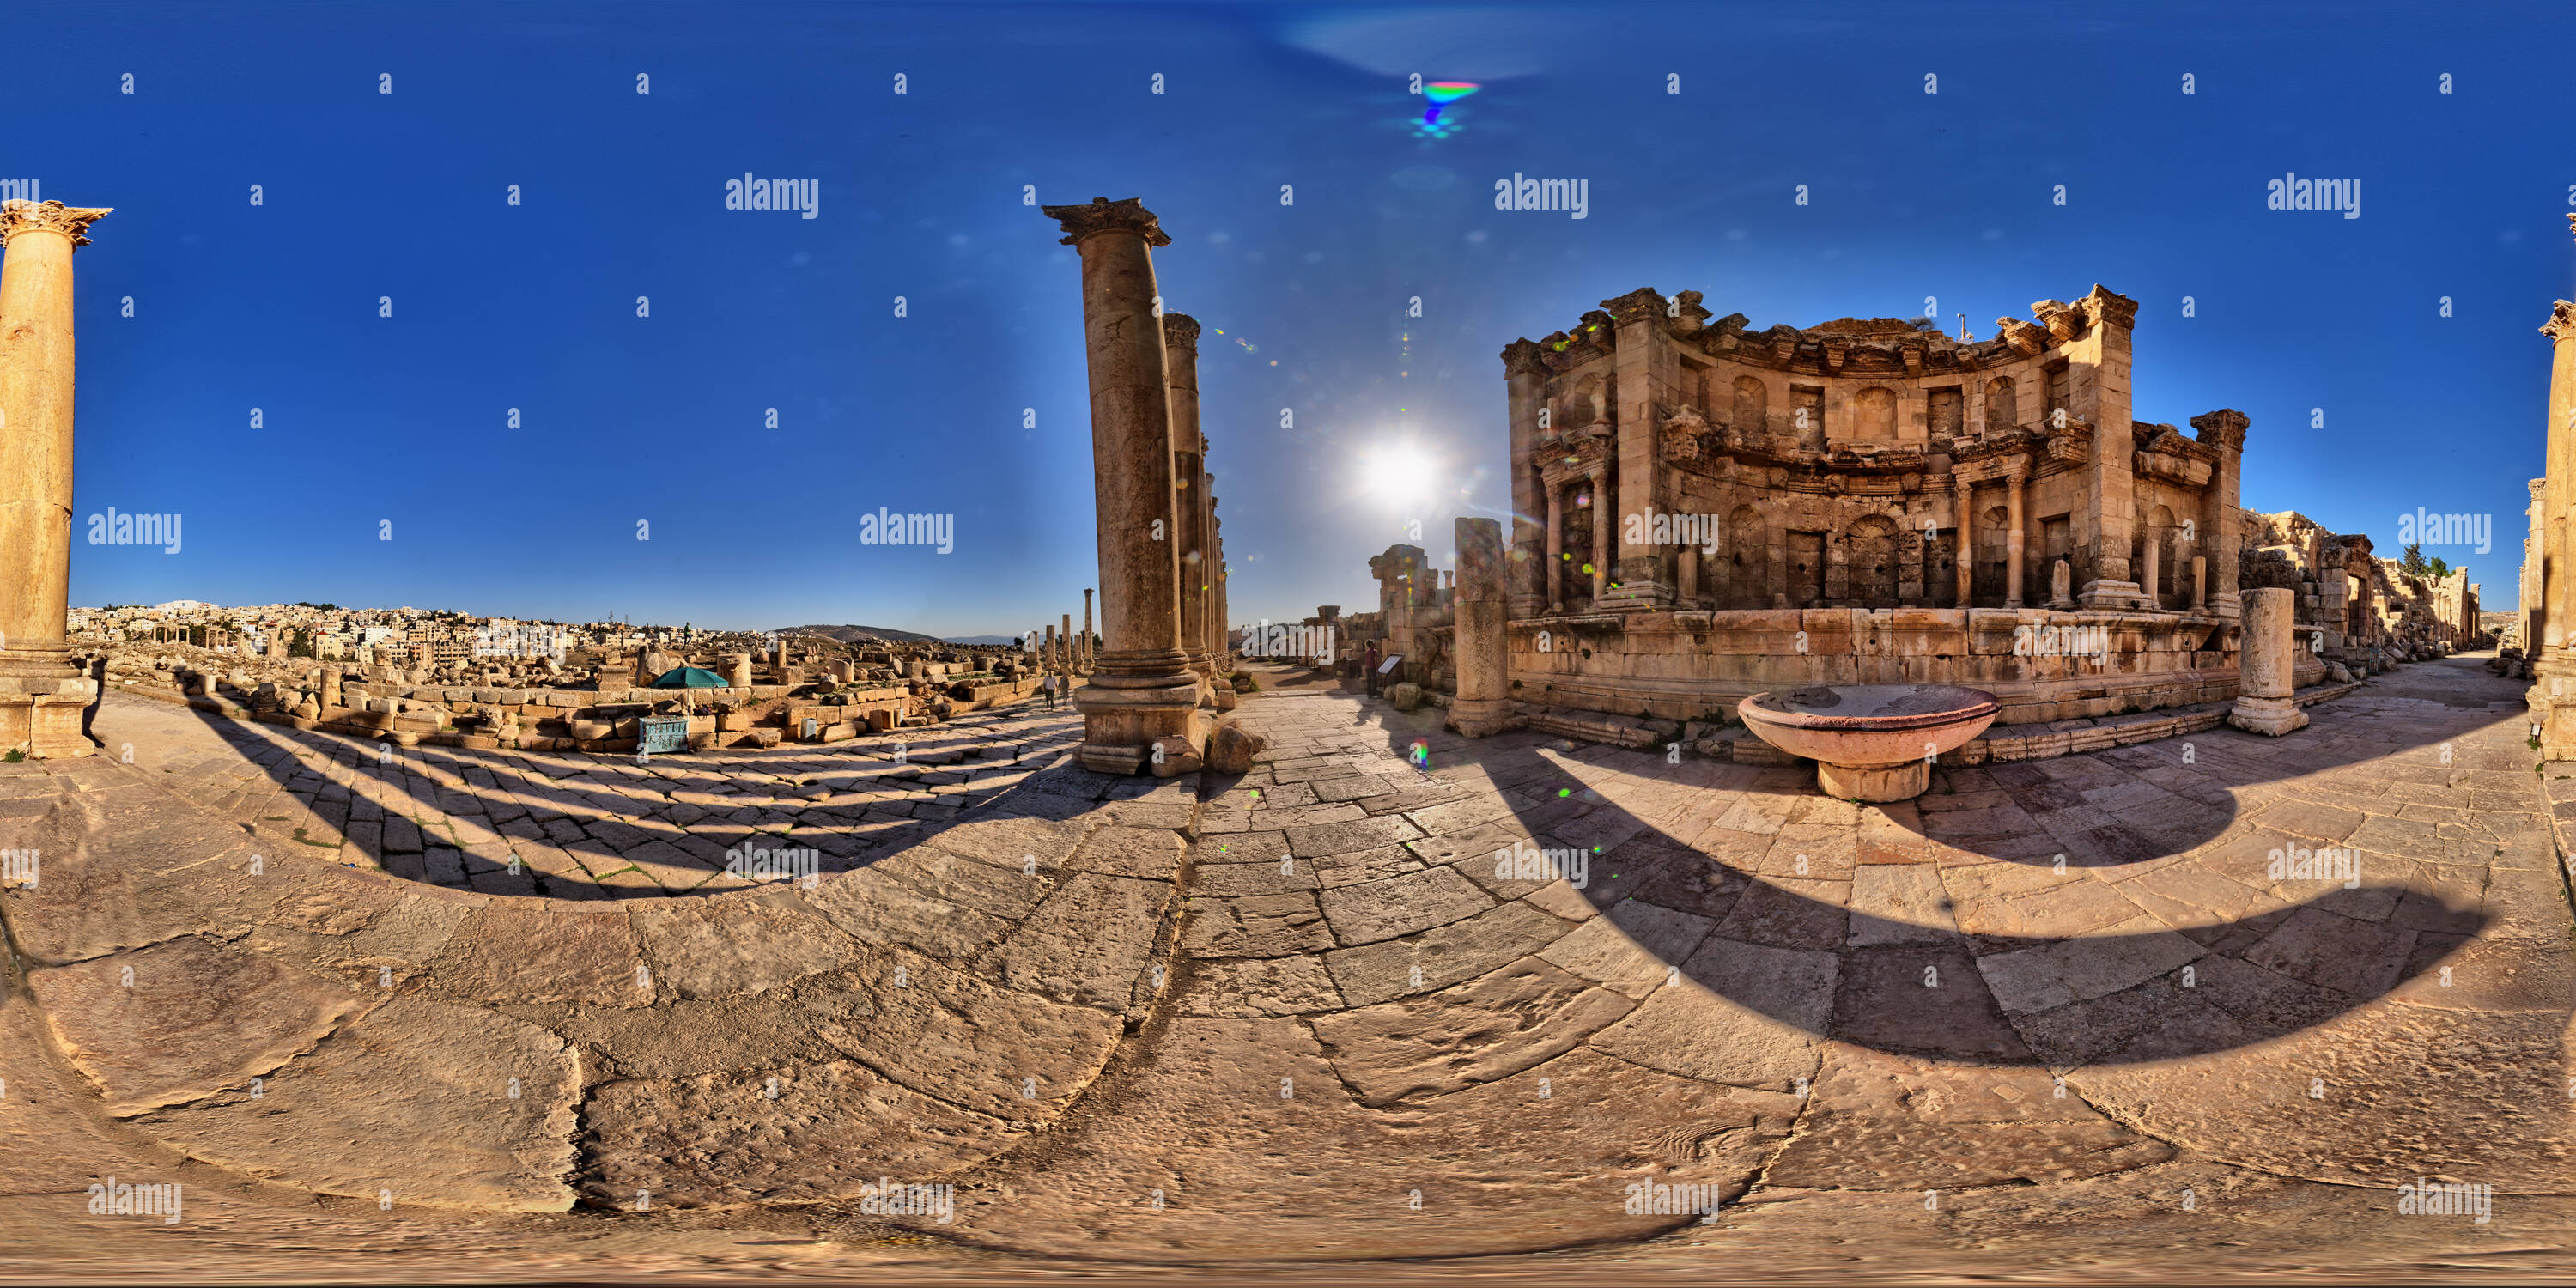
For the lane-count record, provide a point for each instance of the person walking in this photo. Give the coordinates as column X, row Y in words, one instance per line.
column 1369, row 662
column 1047, row 686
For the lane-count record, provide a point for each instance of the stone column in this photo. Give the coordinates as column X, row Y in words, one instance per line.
column 1689, row 577
column 1556, row 550
column 1964, row 497
column 1143, row 690
column 1211, row 561
column 1086, row 629
column 2263, row 701
column 42, row 690
column 738, row 670
column 1189, row 455
column 1047, row 664
column 2155, row 557
column 2013, row 542
column 2223, row 429
column 1648, row 379
column 1064, row 654
column 1483, row 705
column 1524, row 375
column 2200, row 583
column 2094, row 334
column 1602, row 550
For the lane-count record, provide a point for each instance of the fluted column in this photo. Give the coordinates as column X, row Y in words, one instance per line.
column 42, row 693
column 1143, row 689
column 1555, row 549
column 1189, row 455
column 1087, row 650
column 1524, row 373
column 1963, row 496
column 1602, row 550
column 2013, row 542
column 1220, row 620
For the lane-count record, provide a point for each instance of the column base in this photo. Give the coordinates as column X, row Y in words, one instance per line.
column 1120, row 727
column 1483, row 717
column 2112, row 595
column 1644, row 593
column 43, row 717
column 2552, row 700
column 1875, row 784
column 2270, row 717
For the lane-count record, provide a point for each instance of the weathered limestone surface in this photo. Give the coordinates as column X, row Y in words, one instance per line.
column 41, row 691
column 1292, row 1005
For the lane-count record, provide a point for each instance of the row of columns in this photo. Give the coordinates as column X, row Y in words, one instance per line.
column 2552, row 648
column 1159, row 572
column 42, row 691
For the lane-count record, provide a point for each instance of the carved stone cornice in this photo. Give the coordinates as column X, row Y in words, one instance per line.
column 1523, row 357
column 2062, row 322
column 1640, row 305
column 1180, row 331
column 2166, row 454
column 1687, row 317
column 2224, row 427
column 1102, row 215
column 49, row 216
column 2562, row 319
column 2026, row 339
column 2101, row 305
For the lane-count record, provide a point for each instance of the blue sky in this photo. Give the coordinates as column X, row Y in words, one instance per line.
column 2300, row 316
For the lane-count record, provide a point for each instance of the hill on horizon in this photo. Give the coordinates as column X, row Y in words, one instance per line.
column 848, row 634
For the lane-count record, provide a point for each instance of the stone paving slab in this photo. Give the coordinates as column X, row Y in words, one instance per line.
column 1305, row 1012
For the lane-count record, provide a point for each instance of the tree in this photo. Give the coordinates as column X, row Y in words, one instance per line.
column 300, row 644
column 2439, row 568
column 2412, row 561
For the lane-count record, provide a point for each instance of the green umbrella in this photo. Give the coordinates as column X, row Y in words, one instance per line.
column 690, row 677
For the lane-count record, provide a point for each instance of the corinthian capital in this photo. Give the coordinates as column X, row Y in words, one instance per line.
column 1106, row 216
column 1180, row 331
column 49, row 216
column 2561, row 323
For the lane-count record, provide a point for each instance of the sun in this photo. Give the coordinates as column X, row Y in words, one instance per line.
column 1397, row 473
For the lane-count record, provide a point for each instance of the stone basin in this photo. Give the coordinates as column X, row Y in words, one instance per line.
column 1870, row 742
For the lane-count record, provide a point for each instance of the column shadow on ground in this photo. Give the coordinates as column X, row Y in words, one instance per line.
column 1767, row 931
column 774, row 796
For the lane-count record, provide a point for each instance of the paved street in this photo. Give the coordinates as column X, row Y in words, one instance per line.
column 1392, row 994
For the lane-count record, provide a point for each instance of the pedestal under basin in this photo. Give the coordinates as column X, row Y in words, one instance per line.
column 1870, row 742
